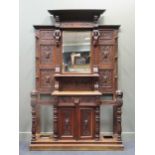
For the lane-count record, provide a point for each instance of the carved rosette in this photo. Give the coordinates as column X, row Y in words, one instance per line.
column 97, row 119
column 34, row 118
column 119, row 103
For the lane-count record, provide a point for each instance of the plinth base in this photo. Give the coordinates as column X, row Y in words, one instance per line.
column 76, row 147
column 47, row 143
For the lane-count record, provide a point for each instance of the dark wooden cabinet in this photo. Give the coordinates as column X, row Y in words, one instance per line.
column 76, row 67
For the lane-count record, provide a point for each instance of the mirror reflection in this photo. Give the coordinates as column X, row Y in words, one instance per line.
column 76, row 51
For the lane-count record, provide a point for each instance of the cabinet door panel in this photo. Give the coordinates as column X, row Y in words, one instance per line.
column 86, row 122
column 66, row 122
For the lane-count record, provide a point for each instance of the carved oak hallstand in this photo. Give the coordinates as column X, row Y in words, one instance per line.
column 76, row 66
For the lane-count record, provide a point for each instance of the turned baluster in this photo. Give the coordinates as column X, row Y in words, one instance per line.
column 97, row 119
column 55, row 121
column 119, row 103
column 34, row 117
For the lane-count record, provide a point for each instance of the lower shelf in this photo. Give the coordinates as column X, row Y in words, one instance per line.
column 47, row 143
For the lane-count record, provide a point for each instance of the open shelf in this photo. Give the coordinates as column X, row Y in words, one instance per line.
column 81, row 93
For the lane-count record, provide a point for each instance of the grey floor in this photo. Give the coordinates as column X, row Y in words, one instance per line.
column 129, row 150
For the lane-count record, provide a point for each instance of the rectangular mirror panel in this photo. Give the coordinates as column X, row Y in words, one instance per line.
column 76, row 51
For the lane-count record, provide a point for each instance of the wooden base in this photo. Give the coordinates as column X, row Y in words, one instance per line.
column 76, row 147
column 47, row 143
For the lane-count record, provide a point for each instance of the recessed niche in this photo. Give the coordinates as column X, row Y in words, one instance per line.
column 106, row 119
column 46, row 112
column 107, row 97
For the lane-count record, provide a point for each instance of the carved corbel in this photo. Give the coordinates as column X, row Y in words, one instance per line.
column 57, row 36
column 57, row 20
column 95, row 36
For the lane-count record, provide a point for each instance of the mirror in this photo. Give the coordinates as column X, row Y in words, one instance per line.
column 76, row 51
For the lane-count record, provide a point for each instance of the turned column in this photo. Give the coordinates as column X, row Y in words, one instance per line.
column 118, row 113
column 97, row 121
column 55, row 120
column 34, row 113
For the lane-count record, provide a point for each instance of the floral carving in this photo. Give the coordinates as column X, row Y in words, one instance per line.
column 106, row 78
column 46, row 78
column 106, row 54
column 46, row 54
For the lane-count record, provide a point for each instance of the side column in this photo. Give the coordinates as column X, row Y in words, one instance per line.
column 117, row 115
column 97, row 119
column 55, row 120
column 34, row 115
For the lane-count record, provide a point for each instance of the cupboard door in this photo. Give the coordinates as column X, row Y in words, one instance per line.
column 86, row 123
column 66, row 122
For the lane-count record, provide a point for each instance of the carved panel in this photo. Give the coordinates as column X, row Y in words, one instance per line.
column 76, row 24
column 48, row 34
column 66, row 122
column 106, row 80
column 66, row 99
column 106, row 55
column 86, row 122
column 46, row 54
column 76, row 84
column 74, row 99
column 47, row 79
column 88, row 99
column 106, row 35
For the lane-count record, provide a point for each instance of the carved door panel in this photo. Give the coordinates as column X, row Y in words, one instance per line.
column 66, row 122
column 86, row 123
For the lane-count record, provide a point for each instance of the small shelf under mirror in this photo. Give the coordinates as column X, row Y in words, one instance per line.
column 68, row 93
column 76, row 75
